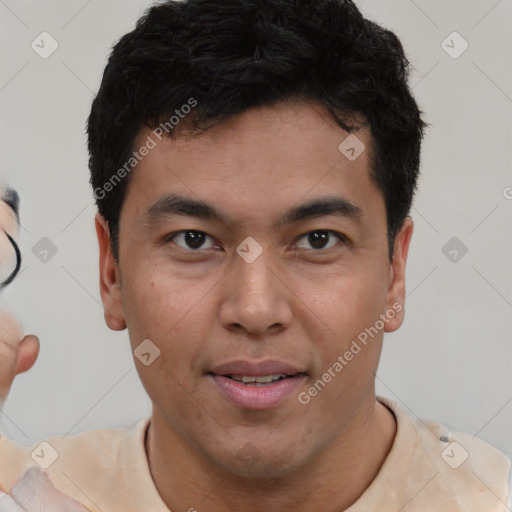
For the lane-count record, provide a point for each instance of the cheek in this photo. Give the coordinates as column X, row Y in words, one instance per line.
column 167, row 312
column 166, row 309
column 344, row 303
column 151, row 298
column 360, row 300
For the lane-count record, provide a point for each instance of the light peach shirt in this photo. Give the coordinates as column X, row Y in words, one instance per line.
column 428, row 468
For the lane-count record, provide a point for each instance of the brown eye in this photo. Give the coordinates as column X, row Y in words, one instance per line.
column 190, row 239
column 319, row 239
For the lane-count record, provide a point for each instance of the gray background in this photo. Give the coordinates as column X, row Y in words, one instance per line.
column 452, row 359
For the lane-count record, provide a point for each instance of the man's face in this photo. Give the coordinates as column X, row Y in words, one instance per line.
column 317, row 284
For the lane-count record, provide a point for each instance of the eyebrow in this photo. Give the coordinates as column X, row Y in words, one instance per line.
column 174, row 204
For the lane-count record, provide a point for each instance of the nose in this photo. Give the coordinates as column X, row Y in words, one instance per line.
column 256, row 298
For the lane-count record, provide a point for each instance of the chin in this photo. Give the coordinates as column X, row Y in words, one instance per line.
column 253, row 461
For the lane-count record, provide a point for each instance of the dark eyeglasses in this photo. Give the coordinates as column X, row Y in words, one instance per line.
column 18, row 262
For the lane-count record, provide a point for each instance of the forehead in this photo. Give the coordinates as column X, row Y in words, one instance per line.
column 262, row 158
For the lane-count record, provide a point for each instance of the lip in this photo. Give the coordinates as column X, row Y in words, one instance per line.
column 255, row 368
column 256, row 397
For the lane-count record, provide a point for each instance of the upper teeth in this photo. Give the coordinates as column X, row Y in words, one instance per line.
column 262, row 379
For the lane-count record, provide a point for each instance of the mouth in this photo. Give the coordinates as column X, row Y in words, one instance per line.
column 256, row 386
column 260, row 380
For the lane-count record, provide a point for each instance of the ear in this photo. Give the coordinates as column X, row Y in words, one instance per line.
column 110, row 285
column 396, row 288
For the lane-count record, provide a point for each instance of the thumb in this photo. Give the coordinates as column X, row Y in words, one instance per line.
column 27, row 353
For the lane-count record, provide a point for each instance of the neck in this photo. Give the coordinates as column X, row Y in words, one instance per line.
column 331, row 483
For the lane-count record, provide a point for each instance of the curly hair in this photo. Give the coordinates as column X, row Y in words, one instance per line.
column 232, row 55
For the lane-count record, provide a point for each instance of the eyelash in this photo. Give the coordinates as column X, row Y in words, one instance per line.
column 340, row 236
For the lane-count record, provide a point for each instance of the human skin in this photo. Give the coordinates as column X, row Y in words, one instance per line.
column 300, row 305
column 8, row 227
column 8, row 222
column 18, row 352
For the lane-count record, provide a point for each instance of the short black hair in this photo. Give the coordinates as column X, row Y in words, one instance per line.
column 226, row 56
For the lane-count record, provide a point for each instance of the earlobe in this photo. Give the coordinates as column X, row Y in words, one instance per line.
column 396, row 289
column 110, row 289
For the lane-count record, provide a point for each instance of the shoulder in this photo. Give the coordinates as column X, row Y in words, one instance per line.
column 90, row 456
column 465, row 470
column 461, row 453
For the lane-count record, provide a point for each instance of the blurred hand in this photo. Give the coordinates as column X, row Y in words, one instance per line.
column 18, row 352
column 35, row 492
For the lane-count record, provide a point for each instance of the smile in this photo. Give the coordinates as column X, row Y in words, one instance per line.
column 257, row 381
column 257, row 392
